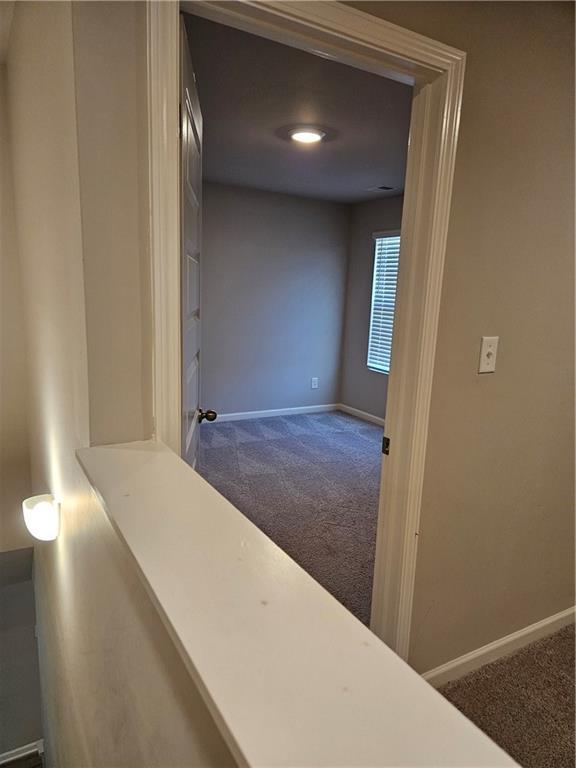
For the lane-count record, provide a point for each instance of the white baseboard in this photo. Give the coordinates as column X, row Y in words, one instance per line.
column 28, row 749
column 459, row 667
column 360, row 414
column 277, row 412
column 240, row 416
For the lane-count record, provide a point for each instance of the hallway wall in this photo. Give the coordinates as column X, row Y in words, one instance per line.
column 115, row 691
column 496, row 543
column 111, row 113
column 14, row 451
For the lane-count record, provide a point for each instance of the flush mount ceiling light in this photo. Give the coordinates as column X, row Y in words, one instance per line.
column 307, row 135
column 42, row 517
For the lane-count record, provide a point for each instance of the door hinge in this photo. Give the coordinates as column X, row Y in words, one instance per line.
column 385, row 445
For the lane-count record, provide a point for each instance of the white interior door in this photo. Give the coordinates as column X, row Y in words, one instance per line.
column 191, row 222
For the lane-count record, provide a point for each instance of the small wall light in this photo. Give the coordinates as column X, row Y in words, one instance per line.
column 42, row 516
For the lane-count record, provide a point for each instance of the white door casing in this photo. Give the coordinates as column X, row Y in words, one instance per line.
column 437, row 73
column 190, row 246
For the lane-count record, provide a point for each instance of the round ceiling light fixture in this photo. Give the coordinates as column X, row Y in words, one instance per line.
column 307, row 135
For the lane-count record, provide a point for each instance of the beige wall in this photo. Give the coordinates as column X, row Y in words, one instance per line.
column 273, row 287
column 360, row 387
column 14, row 461
column 497, row 534
column 114, row 690
column 111, row 109
column 497, row 530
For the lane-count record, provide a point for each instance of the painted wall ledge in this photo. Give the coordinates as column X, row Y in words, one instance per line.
column 289, row 675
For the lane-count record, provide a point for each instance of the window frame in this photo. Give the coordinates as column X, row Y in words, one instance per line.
column 380, row 235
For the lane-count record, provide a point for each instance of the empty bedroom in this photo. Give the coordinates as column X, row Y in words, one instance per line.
column 301, row 217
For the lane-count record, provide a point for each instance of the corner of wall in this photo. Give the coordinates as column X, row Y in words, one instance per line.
column 15, row 483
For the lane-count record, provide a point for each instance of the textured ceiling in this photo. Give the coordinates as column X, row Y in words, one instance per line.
column 251, row 87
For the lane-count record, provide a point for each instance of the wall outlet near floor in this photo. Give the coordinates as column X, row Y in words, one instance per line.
column 314, row 382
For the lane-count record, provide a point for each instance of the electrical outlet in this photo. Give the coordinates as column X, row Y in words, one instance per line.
column 314, row 382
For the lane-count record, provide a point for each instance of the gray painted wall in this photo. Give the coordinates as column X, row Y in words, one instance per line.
column 20, row 719
column 360, row 387
column 273, row 293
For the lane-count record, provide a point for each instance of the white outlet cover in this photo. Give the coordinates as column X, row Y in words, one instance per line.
column 314, row 383
column 488, row 351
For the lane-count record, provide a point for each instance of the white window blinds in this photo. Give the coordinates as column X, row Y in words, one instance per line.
column 386, row 253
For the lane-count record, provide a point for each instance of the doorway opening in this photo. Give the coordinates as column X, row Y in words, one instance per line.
column 297, row 265
column 436, row 72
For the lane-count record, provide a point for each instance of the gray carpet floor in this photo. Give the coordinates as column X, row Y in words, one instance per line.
column 525, row 701
column 311, row 483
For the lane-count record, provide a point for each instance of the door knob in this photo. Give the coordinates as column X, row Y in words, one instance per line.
column 208, row 415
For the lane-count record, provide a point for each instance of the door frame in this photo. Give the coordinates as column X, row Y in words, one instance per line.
column 163, row 75
column 437, row 73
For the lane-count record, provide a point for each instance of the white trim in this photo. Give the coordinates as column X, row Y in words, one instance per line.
column 163, row 30
column 459, row 667
column 35, row 747
column 360, row 414
column 338, row 31
column 325, row 690
column 433, row 138
column 242, row 415
column 437, row 73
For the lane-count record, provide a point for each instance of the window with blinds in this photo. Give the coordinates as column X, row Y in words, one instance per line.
column 386, row 253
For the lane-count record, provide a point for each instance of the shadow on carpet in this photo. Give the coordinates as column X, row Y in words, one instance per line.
column 525, row 701
column 311, row 483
